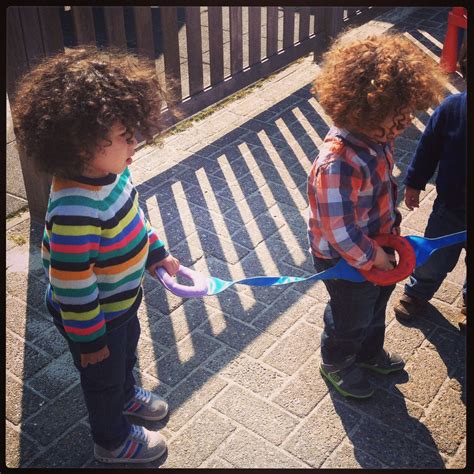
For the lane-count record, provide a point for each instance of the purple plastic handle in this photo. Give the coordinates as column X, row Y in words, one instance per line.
column 198, row 289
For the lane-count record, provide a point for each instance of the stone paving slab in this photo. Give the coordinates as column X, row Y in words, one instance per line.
column 240, row 369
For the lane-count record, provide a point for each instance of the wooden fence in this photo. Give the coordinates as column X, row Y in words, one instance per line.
column 274, row 37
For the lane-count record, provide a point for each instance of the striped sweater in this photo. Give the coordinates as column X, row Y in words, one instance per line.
column 96, row 245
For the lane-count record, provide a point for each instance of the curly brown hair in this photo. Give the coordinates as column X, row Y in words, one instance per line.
column 67, row 105
column 364, row 82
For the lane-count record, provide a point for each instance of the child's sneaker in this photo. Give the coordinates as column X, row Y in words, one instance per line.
column 384, row 363
column 146, row 405
column 349, row 381
column 141, row 445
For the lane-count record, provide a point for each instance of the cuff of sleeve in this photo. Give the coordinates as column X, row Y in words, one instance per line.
column 93, row 346
column 369, row 263
column 414, row 184
column 156, row 255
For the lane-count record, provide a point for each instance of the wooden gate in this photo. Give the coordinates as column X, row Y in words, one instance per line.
column 203, row 54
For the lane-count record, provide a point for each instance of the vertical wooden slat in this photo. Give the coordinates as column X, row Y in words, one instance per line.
column 304, row 23
column 144, row 31
column 272, row 30
column 194, row 43
column 328, row 23
column 83, row 25
column 169, row 27
column 216, row 44
column 255, row 34
column 288, row 27
column 115, row 27
column 30, row 23
column 17, row 61
column 236, row 54
column 51, row 29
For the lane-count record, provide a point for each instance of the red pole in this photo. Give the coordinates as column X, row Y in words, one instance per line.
column 457, row 18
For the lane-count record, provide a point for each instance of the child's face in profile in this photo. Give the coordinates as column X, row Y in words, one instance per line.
column 114, row 157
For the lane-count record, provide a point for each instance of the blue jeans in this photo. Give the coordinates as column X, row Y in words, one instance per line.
column 108, row 385
column 426, row 279
column 354, row 329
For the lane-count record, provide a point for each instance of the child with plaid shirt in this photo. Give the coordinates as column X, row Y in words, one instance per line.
column 369, row 88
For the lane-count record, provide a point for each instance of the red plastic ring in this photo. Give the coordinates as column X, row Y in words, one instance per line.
column 406, row 261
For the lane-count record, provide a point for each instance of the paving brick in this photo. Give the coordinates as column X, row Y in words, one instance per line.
column 238, row 335
column 403, row 452
column 295, row 348
column 23, row 359
column 171, row 329
column 57, row 375
column 304, row 390
column 162, row 300
column 427, row 373
column 27, row 288
column 246, row 372
column 198, row 441
column 18, row 448
column 52, row 342
column 265, row 419
column 459, row 460
column 23, row 320
column 191, row 395
column 21, row 401
column 60, row 454
column 236, row 304
column 321, row 432
column 445, row 421
column 284, row 312
column 215, row 462
column 246, row 451
column 182, row 360
column 346, row 456
column 49, row 423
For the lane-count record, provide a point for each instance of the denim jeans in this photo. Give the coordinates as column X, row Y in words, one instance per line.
column 109, row 384
column 426, row 279
column 354, row 329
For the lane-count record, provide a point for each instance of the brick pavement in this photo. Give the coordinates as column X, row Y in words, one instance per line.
column 240, row 369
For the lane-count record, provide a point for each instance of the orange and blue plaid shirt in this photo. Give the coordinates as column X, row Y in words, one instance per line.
column 352, row 196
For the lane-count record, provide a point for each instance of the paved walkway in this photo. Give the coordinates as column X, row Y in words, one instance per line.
column 240, row 370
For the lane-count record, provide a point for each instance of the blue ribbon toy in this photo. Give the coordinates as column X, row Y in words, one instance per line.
column 416, row 253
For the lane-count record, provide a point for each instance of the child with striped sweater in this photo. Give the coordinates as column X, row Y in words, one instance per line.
column 76, row 116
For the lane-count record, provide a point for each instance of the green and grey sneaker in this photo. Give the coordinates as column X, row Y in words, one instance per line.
column 349, row 381
column 146, row 405
column 384, row 363
column 140, row 446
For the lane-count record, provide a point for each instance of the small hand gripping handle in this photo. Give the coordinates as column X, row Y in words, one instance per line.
column 406, row 263
column 198, row 289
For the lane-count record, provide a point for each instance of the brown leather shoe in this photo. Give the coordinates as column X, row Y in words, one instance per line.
column 409, row 307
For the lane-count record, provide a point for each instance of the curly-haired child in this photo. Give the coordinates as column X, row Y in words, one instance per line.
column 443, row 146
column 370, row 88
column 76, row 115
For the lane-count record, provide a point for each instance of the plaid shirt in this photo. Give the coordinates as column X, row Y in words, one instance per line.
column 352, row 196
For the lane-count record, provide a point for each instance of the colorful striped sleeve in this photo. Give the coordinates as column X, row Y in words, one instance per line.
column 157, row 251
column 337, row 186
column 73, row 250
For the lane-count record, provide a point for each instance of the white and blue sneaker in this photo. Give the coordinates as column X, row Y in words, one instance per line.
column 140, row 446
column 146, row 405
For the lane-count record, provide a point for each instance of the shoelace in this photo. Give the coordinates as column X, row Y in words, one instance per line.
column 142, row 395
column 138, row 433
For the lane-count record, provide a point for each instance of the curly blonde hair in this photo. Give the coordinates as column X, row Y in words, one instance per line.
column 363, row 82
column 67, row 105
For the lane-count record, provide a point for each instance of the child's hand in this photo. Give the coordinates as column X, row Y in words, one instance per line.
column 169, row 263
column 412, row 197
column 384, row 261
column 95, row 357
